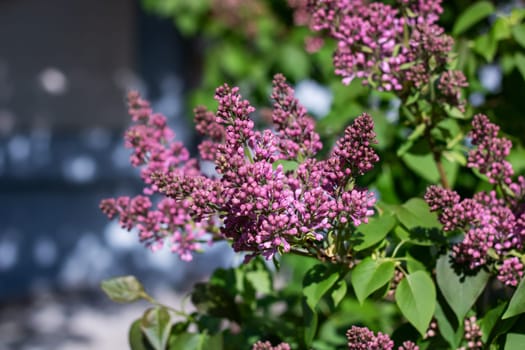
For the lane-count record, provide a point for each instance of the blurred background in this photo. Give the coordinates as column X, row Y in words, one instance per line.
column 65, row 69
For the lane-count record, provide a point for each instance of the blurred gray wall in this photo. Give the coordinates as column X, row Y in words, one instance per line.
column 65, row 67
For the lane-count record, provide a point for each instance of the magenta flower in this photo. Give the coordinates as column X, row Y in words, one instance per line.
column 254, row 202
column 492, row 225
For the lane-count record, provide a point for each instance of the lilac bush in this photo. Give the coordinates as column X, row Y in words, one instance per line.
column 442, row 268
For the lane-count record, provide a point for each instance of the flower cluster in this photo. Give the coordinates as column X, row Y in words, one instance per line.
column 238, row 15
column 389, row 48
column 154, row 150
column 472, row 334
column 493, row 225
column 489, row 157
column 268, row 346
column 270, row 194
column 367, row 35
column 361, row 338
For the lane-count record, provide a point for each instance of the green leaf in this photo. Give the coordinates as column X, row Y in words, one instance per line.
column 472, row 15
column 123, row 289
column 500, row 29
column 404, row 148
column 455, row 156
column 518, row 32
column 445, row 328
column 234, row 60
column 519, row 61
column 366, row 235
column 370, row 275
column 317, row 281
column 517, row 302
column 516, row 15
column 261, row 281
column 419, row 225
column 486, row 46
column 287, row 165
column 137, row 340
column 156, row 324
column 338, row 292
column 514, row 341
column 414, row 265
column 489, row 320
column 459, row 292
column 416, row 298
column 424, row 166
column 310, row 324
column 294, row 61
column 196, row 341
column 454, row 112
column 416, row 213
column 417, row 132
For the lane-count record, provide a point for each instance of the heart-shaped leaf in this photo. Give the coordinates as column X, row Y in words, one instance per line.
column 375, row 230
column 317, row 281
column 416, row 298
column 370, row 275
column 459, row 292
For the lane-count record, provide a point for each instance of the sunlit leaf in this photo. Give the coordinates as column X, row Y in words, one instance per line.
column 517, row 302
column 472, row 15
column 123, row 289
column 156, row 324
column 416, row 298
column 370, row 275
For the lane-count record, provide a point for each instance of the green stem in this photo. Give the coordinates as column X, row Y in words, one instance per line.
column 399, row 245
column 150, row 299
column 436, row 154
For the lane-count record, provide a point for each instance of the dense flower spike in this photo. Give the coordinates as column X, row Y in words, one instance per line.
column 354, row 151
column 154, row 150
column 449, row 87
column 511, row 271
column 493, row 226
column 408, row 345
column 472, row 334
column 489, row 156
column 206, row 125
column 268, row 346
column 295, row 128
column 361, row 338
column 388, row 48
column 422, row 11
column 254, row 202
column 367, row 36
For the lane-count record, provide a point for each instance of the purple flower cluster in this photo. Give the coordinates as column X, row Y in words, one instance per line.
column 268, row 346
column 295, row 130
column 155, row 151
column 361, row 338
column 492, row 224
column 472, row 334
column 489, row 157
column 392, row 49
column 511, row 271
column 254, row 201
column 367, row 35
